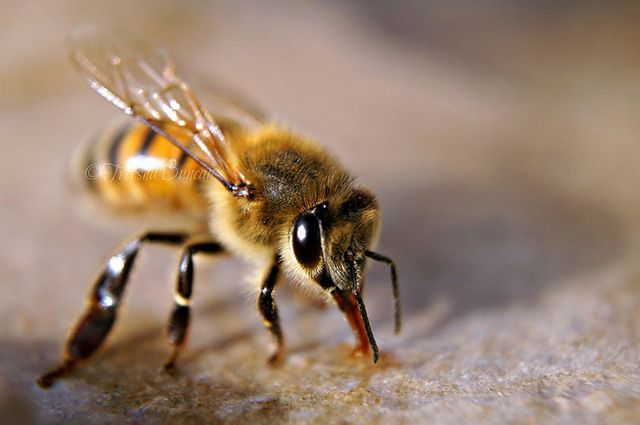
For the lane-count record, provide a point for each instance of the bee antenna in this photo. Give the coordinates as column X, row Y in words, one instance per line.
column 394, row 285
column 355, row 290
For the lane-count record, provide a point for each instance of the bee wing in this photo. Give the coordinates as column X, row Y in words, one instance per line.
column 226, row 102
column 141, row 81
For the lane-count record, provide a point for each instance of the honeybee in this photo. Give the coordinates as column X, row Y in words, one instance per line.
column 259, row 191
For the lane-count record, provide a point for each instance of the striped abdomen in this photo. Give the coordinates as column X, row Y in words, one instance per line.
column 131, row 168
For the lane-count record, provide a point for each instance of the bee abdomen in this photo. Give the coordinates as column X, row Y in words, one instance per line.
column 130, row 167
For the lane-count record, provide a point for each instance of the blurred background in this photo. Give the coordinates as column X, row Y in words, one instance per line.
column 502, row 138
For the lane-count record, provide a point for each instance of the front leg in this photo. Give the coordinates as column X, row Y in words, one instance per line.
column 269, row 311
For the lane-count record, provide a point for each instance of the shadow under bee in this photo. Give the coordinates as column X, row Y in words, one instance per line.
column 105, row 389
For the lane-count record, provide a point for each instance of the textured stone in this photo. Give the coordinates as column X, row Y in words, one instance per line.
column 505, row 155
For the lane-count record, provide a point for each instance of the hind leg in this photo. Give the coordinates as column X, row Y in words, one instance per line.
column 104, row 300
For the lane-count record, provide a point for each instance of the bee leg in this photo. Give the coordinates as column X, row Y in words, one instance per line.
column 178, row 325
column 269, row 312
column 100, row 315
column 348, row 305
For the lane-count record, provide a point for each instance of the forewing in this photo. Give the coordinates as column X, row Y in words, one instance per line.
column 223, row 100
column 141, row 81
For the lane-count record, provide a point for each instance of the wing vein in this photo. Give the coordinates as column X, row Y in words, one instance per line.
column 141, row 81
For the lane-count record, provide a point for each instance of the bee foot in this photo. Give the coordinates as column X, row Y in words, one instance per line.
column 276, row 359
column 168, row 367
column 48, row 379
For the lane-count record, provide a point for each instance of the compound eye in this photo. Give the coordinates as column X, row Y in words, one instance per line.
column 306, row 240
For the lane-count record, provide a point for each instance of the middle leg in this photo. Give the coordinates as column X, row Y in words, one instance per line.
column 178, row 326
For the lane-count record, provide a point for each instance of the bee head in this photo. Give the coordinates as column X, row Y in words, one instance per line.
column 329, row 240
column 330, row 243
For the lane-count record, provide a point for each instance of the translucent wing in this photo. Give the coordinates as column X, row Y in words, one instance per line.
column 226, row 102
column 141, row 81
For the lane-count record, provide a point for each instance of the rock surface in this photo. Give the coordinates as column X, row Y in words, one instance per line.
column 503, row 143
